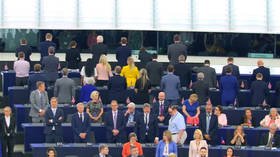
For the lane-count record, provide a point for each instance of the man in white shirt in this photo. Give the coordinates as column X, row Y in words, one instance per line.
column 7, row 132
column 103, row 151
column 271, row 139
column 21, row 68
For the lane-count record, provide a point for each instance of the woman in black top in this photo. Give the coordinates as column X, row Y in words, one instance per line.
column 142, row 88
column 73, row 56
column 248, row 120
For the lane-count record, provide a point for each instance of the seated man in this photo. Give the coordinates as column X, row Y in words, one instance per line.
column 135, row 152
column 81, row 125
column 160, row 109
column 271, row 139
column 131, row 115
column 103, row 151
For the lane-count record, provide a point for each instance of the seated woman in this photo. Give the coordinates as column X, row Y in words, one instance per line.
column 197, row 144
column 239, row 138
column 191, row 110
column 51, row 152
column 248, row 119
column 272, row 118
column 103, row 71
column 86, row 91
column 229, row 152
column 166, row 146
column 132, row 143
column 142, row 88
column 222, row 118
column 95, row 107
column 130, row 72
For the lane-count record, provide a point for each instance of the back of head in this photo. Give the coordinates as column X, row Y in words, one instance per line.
column 89, row 68
column 23, row 41
column 170, row 68
column 118, row 69
column 99, row 39
column 65, row 72
column 49, row 37
column 182, row 58
column 206, row 62
column 259, row 76
column 123, row 40
column 51, row 50
column 228, row 70
column 21, row 55
column 230, row 60
column 37, row 67
column 176, row 38
column 200, row 76
column 73, row 44
column 260, row 63
column 154, row 56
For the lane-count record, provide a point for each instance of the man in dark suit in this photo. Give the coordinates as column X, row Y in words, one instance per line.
column 147, row 126
column 235, row 68
column 81, row 125
column 155, row 71
column 170, row 84
column 123, row 52
column 210, row 76
column 183, row 71
column 201, row 89
column 259, row 91
column 135, row 152
column 7, row 132
column 50, row 66
column 263, row 70
column 103, row 151
column 115, row 124
column 117, row 86
column 176, row 49
column 26, row 49
column 54, row 117
column 131, row 115
column 208, row 124
column 144, row 57
column 99, row 49
column 160, row 109
column 44, row 45
column 34, row 78
column 271, row 139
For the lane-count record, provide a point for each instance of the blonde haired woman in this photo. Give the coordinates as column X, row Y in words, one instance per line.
column 95, row 107
column 103, row 71
column 130, row 72
column 239, row 137
column 191, row 110
column 142, row 88
column 196, row 144
column 166, row 146
column 272, row 118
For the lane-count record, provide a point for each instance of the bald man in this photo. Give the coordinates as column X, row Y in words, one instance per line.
column 160, row 109
column 263, row 70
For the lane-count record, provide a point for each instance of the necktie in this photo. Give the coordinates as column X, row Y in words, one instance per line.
column 115, row 119
column 41, row 100
column 207, row 123
column 147, row 122
column 81, row 117
column 161, row 108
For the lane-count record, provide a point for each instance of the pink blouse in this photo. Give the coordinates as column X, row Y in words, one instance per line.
column 102, row 72
column 222, row 119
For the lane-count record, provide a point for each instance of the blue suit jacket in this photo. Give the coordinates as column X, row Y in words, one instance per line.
column 264, row 71
column 43, row 47
column 80, row 127
column 170, row 84
column 160, row 148
column 108, row 121
column 56, row 121
column 229, row 87
column 33, row 80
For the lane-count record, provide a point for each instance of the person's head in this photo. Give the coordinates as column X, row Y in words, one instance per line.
column 80, row 107
column 228, row 70
column 132, row 137
column 230, row 60
column 218, row 110
column 65, row 72
column 114, row 105
column 176, row 38
column 200, row 76
column 259, row 76
column 118, row 69
column 143, row 73
column 94, row 96
column 51, row 152
column 131, row 107
column 104, row 61
column 143, row 49
column 53, row 102
column 182, row 59
column 203, row 152
column 260, row 63
column 239, row 129
column 23, row 42
column 7, row 111
column 170, row 68
column 103, row 149
column 21, row 55
column 48, row 37
column 37, row 67
column 73, row 44
column 273, row 128
column 172, row 155
column 172, row 109
column 248, row 112
column 123, row 41
column 193, row 98
column 146, row 108
column 161, row 96
column 130, row 62
column 99, row 39
column 51, row 50
column 273, row 112
column 89, row 70
column 207, row 62
column 134, row 151
column 40, row 86
column 208, row 108
column 229, row 151
column 167, row 136
column 90, row 81
column 154, row 56
column 197, row 135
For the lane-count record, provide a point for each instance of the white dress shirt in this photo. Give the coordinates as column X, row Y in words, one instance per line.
column 8, row 120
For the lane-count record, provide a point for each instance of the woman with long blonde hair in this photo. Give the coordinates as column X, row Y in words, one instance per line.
column 130, row 72
column 142, row 88
column 103, row 71
column 197, row 143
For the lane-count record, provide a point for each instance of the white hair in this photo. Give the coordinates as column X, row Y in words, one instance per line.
column 99, row 39
column 131, row 105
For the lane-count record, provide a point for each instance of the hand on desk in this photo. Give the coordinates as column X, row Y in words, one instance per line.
column 207, row 137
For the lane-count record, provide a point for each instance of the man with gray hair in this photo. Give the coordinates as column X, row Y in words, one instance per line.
column 270, row 139
column 99, row 49
column 183, row 71
column 201, row 88
column 103, row 151
column 131, row 115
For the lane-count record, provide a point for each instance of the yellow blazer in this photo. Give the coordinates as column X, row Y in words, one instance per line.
column 131, row 75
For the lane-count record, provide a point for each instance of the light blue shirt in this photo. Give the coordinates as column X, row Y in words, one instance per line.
column 176, row 123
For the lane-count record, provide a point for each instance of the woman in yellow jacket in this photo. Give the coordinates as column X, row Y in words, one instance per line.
column 130, row 72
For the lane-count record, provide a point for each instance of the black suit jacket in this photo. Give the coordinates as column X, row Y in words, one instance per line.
column 109, row 123
column 98, row 50
column 140, row 127
column 235, row 70
column 56, row 122
column 155, row 72
column 27, row 51
column 201, row 88
column 184, row 72
column 73, row 58
column 43, row 47
column 264, row 140
column 122, row 53
column 5, row 130
column 213, row 127
column 80, row 127
column 117, row 88
column 50, row 66
column 264, row 71
column 32, row 80
column 259, row 92
column 156, row 110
